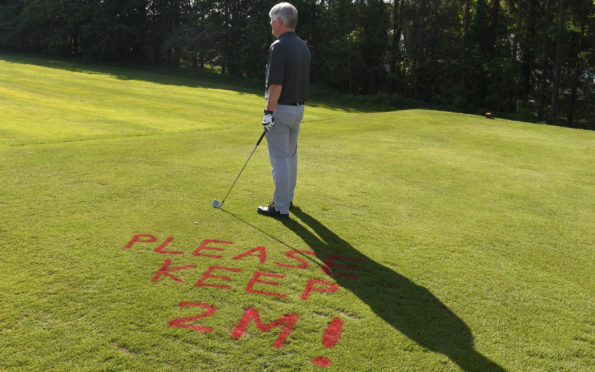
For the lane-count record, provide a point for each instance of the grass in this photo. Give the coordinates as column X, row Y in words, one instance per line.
column 472, row 238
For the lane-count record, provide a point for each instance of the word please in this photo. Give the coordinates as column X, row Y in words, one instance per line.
column 258, row 252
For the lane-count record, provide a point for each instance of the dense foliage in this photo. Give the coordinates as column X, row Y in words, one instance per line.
column 533, row 58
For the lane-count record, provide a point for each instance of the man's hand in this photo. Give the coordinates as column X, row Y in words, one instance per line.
column 267, row 120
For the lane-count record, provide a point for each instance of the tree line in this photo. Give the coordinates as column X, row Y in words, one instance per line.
column 531, row 58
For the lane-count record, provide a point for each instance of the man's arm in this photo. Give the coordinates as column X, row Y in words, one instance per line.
column 274, row 94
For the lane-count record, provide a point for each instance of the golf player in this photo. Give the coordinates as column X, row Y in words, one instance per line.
column 287, row 83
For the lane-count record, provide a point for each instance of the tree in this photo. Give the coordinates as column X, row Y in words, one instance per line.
column 558, row 60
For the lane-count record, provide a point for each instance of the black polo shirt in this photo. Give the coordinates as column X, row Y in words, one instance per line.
column 288, row 64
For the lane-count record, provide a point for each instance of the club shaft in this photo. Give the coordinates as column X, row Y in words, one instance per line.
column 246, row 163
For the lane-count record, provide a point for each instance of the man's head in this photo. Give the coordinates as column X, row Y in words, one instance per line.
column 284, row 18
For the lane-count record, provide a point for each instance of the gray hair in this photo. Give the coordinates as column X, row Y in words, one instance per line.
column 287, row 12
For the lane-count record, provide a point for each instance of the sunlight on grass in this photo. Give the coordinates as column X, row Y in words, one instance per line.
column 45, row 104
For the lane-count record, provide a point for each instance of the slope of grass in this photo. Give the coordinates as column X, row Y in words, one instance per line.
column 40, row 103
column 471, row 239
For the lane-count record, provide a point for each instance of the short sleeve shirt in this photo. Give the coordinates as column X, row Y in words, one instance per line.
column 288, row 64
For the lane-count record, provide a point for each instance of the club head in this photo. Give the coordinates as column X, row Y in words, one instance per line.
column 216, row 203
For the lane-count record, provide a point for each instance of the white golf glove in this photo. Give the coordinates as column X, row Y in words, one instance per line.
column 267, row 120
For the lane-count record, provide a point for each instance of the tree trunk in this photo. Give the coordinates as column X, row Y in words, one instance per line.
column 577, row 64
column 542, row 80
column 556, row 90
column 528, row 51
column 396, row 35
column 466, row 37
column 418, row 53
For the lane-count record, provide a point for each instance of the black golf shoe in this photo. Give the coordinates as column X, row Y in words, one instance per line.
column 270, row 211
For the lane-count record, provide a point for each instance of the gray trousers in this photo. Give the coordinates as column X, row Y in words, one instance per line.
column 282, row 145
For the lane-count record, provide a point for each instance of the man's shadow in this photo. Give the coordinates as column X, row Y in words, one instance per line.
column 406, row 306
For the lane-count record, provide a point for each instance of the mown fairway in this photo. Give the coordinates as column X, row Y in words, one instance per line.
column 455, row 242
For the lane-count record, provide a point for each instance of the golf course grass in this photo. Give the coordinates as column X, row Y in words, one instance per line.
column 421, row 240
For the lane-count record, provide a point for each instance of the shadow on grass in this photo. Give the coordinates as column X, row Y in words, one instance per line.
column 194, row 78
column 152, row 74
column 406, row 306
column 270, row 236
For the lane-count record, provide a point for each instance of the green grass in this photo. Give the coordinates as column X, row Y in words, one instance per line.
column 475, row 236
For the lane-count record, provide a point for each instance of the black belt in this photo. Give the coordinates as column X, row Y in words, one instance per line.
column 291, row 103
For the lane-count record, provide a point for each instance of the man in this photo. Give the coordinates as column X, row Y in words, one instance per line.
column 287, row 84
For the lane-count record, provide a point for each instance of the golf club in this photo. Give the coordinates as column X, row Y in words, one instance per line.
column 216, row 203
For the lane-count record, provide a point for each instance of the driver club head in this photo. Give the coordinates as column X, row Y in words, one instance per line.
column 216, row 203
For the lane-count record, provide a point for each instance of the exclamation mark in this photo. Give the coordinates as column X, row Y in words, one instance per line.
column 330, row 337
